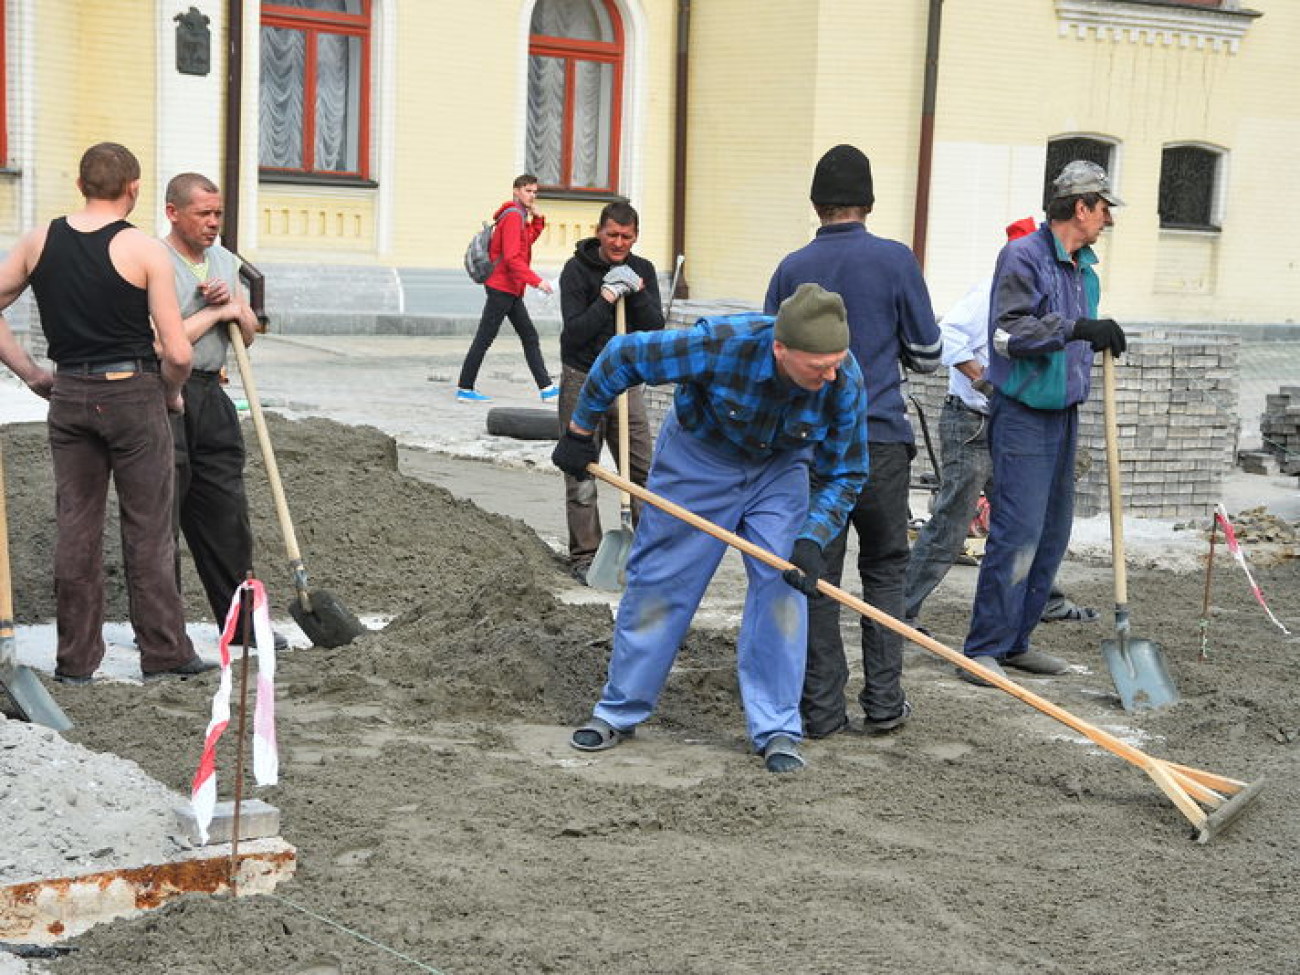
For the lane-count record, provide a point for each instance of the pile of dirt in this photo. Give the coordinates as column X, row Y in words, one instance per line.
column 438, row 811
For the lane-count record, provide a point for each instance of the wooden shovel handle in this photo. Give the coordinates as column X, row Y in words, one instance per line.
column 624, row 449
column 6, row 583
column 1093, row 733
column 1112, row 479
column 264, row 441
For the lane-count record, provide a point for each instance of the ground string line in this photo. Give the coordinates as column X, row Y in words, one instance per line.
column 356, row 934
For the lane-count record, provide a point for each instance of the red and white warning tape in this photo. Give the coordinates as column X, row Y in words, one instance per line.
column 266, row 761
column 1221, row 516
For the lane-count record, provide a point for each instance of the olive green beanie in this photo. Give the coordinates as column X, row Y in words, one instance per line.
column 813, row 320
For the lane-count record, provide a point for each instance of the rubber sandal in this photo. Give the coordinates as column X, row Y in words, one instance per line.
column 1071, row 612
column 597, row 736
column 782, row 755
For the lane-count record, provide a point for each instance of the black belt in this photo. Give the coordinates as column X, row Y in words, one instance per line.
column 961, row 404
column 127, row 366
column 206, row 374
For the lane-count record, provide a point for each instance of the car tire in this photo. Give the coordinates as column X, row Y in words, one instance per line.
column 523, row 423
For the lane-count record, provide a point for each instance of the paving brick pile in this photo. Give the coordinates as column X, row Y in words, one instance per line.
column 1279, row 428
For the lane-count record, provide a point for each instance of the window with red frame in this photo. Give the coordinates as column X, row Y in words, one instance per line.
column 575, row 84
column 314, row 98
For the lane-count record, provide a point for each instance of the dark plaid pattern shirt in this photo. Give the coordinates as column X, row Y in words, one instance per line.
column 731, row 395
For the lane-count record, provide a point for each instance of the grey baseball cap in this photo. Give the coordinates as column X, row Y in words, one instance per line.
column 1081, row 177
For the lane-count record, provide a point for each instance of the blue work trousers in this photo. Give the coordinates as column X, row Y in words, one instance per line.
column 1031, row 514
column 764, row 501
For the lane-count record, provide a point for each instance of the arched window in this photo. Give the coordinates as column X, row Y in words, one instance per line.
column 314, row 98
column 575, row 83
column 1067, row 149
column 1189, row 182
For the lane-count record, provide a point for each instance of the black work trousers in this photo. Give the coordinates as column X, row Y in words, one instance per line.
column 211, row 506
column 880, row 520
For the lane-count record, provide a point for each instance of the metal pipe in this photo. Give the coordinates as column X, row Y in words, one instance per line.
column 679, row 139
column 925, row 148
column 234, row 99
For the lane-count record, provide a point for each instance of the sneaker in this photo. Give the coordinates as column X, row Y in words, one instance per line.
column 73, row 681
column 472, row 396
column 195, row 665
column 988, row 663
column 872, row 727
column 550, row 392
column 1036, row 662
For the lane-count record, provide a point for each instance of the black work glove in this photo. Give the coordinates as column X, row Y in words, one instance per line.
column 1101, row 334
column 573, row 452
column 809, row 564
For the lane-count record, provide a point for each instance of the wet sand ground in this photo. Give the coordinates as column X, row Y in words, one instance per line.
column 438, row 811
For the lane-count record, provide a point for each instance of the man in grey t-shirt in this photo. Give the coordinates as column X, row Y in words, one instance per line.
column 211, row 506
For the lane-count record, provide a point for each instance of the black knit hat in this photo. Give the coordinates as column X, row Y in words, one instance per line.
column 843, row 178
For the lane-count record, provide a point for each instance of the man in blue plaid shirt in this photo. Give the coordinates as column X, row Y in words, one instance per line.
column 761, row 403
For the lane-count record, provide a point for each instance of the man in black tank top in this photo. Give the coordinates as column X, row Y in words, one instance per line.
column 98, row 282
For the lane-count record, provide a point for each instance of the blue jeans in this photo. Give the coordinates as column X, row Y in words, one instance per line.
column 1031, row 513
column 880, row 519
column 671, row 563
column 964, row 472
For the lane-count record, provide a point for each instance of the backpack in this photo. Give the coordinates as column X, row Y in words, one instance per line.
column 479, row 264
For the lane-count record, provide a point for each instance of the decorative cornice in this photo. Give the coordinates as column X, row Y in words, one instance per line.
column 1157, row 22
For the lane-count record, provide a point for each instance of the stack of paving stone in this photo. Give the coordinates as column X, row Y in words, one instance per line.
column 1177, row 412
column 1279, row 427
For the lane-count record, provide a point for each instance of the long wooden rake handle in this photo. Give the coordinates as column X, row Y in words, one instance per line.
column 1185, row 786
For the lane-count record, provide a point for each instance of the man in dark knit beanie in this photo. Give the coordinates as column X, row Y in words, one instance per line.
column 890, row 321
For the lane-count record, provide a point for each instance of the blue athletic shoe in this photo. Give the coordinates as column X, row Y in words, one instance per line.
column 472, row 396
column 550, row 392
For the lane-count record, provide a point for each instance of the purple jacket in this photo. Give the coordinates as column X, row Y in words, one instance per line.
column 1038, row 294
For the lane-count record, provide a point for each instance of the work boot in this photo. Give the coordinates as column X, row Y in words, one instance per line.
column 195, row 665
column 988, row 663
column 1036, row 662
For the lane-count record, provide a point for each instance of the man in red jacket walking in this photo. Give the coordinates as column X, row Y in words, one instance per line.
column 518, row 225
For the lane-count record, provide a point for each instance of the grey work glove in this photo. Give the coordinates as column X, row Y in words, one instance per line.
column 1101, row 334
column 809, row 564
column 573, row 452
column 618, row 289
column 623, row 275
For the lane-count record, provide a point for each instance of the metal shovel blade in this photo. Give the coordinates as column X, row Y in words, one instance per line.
column 30, row 698
column 609, row 568
column 329, row 624
column 1138, row 669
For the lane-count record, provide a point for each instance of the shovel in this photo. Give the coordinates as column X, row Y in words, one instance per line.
column 1187, row 788
column 30, row 698
column 1137, row 667
column 609, row 567
column 319, row 613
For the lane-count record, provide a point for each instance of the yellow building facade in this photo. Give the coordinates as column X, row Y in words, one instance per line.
column 707, row 114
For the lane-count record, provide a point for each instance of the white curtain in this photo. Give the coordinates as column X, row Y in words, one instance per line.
column 280, row 111
column 336, row 59
column 545, row 118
